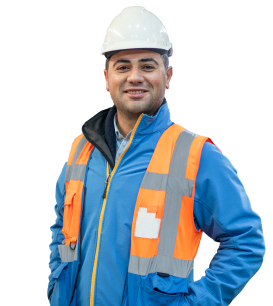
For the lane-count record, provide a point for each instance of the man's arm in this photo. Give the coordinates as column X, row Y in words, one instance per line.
column 57, row 235
column 222, row 210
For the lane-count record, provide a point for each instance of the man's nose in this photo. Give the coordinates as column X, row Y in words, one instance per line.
column 135, row 76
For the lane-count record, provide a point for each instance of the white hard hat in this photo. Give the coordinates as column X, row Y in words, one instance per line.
column 136, row 28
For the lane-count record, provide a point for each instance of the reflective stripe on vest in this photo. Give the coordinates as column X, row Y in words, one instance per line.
column 164, row 238
column 74, row 180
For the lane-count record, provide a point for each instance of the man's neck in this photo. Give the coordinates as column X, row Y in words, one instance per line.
column 126, row 122
column 125, row 126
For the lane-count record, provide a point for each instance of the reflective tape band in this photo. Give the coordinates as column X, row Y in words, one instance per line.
column 154, row 181
column 76, row 172
column 158, row 182
column 160, row 263
column 67, row 253
column 177, row 187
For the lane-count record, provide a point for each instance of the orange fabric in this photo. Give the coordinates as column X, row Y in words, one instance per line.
column 152, row 208
column 85, row 153
column 164, row 150
column 73, row 198
column 188, row 238
column 72, row 211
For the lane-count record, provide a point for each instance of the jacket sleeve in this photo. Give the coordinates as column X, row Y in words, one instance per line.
column 222, row 210
column 57, row 235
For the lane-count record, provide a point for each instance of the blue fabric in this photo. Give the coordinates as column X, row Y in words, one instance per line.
column 221, row 209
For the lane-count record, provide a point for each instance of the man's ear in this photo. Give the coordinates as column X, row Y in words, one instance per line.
column 106, row 79
column 169, row 76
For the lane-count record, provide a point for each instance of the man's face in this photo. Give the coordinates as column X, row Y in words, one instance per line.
column 137, row 80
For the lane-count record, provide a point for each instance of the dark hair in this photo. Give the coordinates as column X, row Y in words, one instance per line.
column 165, row 59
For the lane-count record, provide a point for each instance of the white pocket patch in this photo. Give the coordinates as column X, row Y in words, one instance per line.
column 147, row 225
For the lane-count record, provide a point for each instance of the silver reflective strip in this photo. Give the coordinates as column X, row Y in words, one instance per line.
column 76, row 172
column 177, row 187
column 67, row 254
column 159, row 263
column 154, row 181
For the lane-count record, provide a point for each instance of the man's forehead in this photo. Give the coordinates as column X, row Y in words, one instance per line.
column 134, row 55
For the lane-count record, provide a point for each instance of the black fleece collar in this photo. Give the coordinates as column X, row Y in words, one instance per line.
column 110, row 135
column 94, row 132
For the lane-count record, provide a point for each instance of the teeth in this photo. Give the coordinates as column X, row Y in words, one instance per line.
column 135, row 92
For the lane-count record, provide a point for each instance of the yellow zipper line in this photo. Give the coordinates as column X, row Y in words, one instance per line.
column 97, row 247
column 92, row 290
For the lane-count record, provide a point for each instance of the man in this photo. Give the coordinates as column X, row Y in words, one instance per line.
column 138, row 190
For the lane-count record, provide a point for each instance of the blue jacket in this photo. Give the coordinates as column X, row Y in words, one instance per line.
column 221, row 209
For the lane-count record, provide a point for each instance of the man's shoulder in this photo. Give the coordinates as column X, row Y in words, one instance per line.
column 213, row 161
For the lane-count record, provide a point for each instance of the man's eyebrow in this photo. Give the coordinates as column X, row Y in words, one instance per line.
column 121, row 61
column 143, row 60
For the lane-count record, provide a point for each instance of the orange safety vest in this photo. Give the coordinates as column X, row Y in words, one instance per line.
column 163, row 235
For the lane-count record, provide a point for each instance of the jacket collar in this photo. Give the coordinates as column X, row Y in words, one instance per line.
column 99, row 130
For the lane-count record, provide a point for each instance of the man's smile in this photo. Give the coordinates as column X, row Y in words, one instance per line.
column 136, row 93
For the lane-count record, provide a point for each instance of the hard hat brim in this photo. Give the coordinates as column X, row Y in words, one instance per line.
column 160, row 51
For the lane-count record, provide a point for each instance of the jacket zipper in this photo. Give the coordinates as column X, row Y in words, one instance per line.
column 104, row 196
column 105, row 188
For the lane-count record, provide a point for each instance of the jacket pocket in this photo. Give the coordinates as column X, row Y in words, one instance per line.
column 61, row 291
column 68, row 209
column 150, row 297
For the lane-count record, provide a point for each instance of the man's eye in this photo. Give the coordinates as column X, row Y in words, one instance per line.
column 120, row 68
column 149, row 67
